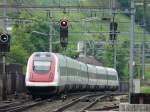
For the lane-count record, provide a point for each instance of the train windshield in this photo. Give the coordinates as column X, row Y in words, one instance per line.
column 41, row 66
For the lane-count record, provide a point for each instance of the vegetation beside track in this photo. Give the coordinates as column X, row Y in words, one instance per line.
column 145, row 89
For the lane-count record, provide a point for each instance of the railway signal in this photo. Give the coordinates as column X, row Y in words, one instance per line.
column 4, row 42
column 113, row 30
column 4, row 47
column 64, row 32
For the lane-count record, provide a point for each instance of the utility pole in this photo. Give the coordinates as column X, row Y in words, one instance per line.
column 84, row 23
column 50, row 30
column 113, row 33
column 4, row 15
column 85, row 48
column 115, row 56
column 93, row 48
column 143, row 40
column 131, row 49
column 115, row 40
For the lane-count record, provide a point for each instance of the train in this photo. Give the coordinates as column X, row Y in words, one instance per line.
column 51, row 73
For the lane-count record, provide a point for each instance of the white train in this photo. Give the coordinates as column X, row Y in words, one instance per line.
column 50, row 73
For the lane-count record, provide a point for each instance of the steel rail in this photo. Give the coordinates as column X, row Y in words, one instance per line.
column 62, row 108
column 107, row 108
column 92, row 103
column 23, row 106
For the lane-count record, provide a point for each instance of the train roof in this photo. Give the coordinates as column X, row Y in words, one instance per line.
column 111, row 71
column 100, row 67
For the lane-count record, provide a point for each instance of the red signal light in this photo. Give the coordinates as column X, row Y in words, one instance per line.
column 64, row 24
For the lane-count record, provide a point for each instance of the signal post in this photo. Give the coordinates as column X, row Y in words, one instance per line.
column 113, row 38
column 4, row 48
column 64, row 32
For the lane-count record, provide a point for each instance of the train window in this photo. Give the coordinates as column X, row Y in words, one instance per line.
column 41, row 66
column 111, row 77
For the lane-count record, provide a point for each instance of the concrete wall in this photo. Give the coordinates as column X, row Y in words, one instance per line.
column 125, row 107
column 15, row 83
column 0, row 87
column 124, row 86
column 0, row 80
column 136, row 85
column 15, row 79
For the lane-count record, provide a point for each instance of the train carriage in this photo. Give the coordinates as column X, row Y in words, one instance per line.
column 83, row 76
column 101, row 77
column 92, row 76
column 112, row 78
column 71, row 74
column 61, row 69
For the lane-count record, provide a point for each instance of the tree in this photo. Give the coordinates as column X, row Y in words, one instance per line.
column 122, row 62
column 124, row 3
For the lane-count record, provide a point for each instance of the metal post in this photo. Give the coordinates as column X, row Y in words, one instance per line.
column 115, row 57
column 113, row 3
column 50, row 31
column 114, row 41
column 85, row 48
column 93, row 49
column 131, row 49
column 1, row 78
column 85, row 26
column 143, row 41
column 4, row 80
column 4, row 14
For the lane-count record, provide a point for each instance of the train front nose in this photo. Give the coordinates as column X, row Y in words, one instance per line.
column 41, row 69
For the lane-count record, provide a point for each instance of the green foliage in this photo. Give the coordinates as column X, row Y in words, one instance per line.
column 24, row 42
column 145, row 89
column 122, row 60
column 70, row 51
column 124, row 3
column 107, row 59
column 139, row 12
column 18, row 54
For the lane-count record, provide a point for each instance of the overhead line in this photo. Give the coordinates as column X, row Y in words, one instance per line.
column 53, row 7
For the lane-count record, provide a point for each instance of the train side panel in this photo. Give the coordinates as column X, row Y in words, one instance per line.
column 92, row 76
column 83, row 76
column 101, row 77
column 62, row 72
column 112, row 78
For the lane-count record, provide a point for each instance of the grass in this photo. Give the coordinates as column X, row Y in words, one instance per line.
column 145, row 89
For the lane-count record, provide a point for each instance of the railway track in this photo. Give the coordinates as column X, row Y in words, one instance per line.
column 79, row 102
column 92, row 102
column 82, row 103
column 20, row 106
